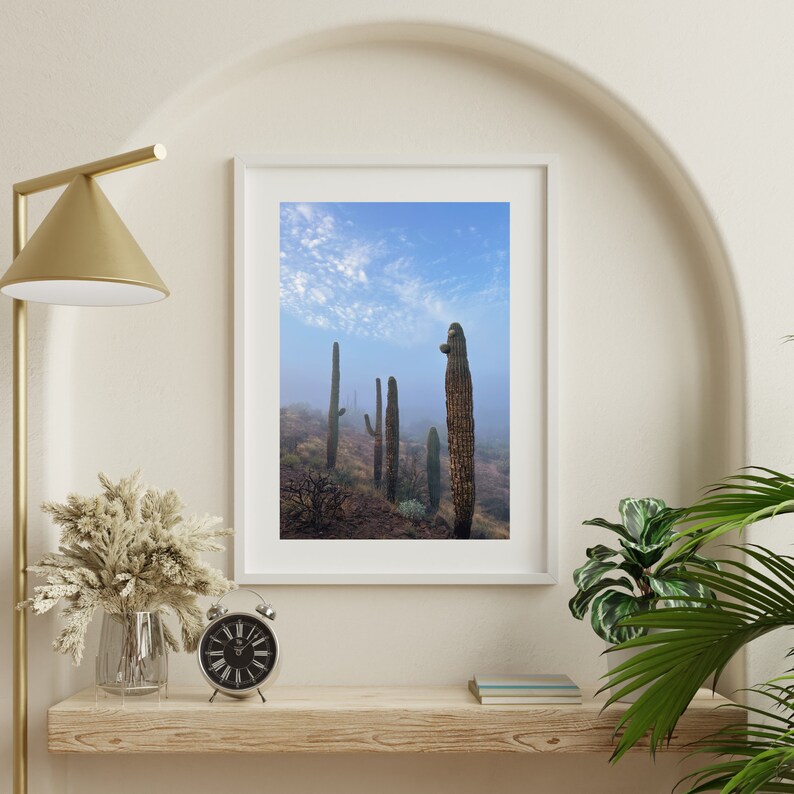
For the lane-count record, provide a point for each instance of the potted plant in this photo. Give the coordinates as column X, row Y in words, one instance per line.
column 695, row 643
column 618, row 583
column 128, row 551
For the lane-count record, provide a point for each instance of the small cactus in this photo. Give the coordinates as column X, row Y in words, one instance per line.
column 433, row 469
column 392, row 440
column 460, row 429
column 334, row 412
column 377, row 434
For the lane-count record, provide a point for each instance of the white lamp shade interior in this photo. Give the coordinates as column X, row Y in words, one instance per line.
column 77, row 292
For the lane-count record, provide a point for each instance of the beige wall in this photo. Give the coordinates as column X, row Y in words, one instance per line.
column 651, row 359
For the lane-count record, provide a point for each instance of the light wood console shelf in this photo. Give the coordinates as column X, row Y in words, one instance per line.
column 350, row 720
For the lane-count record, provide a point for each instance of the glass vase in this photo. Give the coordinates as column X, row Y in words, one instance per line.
column 132, row 657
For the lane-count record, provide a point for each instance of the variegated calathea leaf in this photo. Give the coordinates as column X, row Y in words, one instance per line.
column 636, row 513
column 601, row 552
column 660, row 528
column 633, row 569
column 591, row 572
column 581, row 601
column 675, row 589
column 644, row 555
column 618, row 529
column 609, row 608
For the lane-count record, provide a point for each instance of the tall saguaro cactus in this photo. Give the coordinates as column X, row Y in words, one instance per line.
column 377, row 434
column 460, row 429
column 392, row 440
column 334, row 412
column 433, row 469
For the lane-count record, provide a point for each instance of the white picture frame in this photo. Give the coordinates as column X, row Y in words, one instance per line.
column 530, row 555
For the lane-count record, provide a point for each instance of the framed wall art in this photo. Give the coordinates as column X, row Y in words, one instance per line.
column 395, row 372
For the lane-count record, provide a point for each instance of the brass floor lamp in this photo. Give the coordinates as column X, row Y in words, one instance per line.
column 82, row 254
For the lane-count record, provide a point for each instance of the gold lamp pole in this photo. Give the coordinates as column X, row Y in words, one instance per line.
column 82, row 254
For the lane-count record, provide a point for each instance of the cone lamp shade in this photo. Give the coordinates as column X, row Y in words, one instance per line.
column 82, row 254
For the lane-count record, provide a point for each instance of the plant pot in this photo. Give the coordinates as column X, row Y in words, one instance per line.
column 132, row 657
column 615, row 659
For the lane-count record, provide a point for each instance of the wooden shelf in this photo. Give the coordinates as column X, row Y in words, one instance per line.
column 350, row 720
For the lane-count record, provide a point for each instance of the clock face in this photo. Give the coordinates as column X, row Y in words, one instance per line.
column 238, row 652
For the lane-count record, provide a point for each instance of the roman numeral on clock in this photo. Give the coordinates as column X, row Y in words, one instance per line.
column 239, row 628
column 227, row 632
column 217, row 665
column 261, row 653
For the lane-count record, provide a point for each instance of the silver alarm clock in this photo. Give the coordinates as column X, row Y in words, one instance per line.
column 238, row 652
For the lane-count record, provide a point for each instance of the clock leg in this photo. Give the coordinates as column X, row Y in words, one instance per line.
column 212, row 699
column 261, row 695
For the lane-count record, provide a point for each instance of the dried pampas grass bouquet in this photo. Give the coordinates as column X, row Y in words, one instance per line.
column 128, row 549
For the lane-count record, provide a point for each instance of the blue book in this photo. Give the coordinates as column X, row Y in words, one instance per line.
column 526, row 697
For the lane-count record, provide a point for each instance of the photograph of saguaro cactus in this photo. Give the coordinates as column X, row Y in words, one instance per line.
column 394, row 370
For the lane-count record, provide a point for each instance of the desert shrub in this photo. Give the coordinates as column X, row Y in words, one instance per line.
column 312, row 501
column 343, row 477
column 291, row 439
column 315, row 461
column 503, row 466
column 412, row 485
column 290, row 460
column 366, row 487
column 411, row 509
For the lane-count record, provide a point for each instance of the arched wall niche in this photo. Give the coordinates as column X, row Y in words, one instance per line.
column 640, row 143
column 650, row 350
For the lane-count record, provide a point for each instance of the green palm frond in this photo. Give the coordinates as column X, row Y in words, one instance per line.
column 696, row 643
column 760, row 756
column 735, row 503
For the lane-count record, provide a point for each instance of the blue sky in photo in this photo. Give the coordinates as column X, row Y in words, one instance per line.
column 385, row 280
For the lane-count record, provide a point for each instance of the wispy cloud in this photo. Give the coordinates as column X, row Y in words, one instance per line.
column 387, row 283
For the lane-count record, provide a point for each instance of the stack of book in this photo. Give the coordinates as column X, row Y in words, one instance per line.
column 505, row 690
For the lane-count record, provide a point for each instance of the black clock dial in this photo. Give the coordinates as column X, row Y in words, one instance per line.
column 238, row 652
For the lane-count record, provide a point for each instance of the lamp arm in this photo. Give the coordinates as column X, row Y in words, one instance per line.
column 119, row 162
